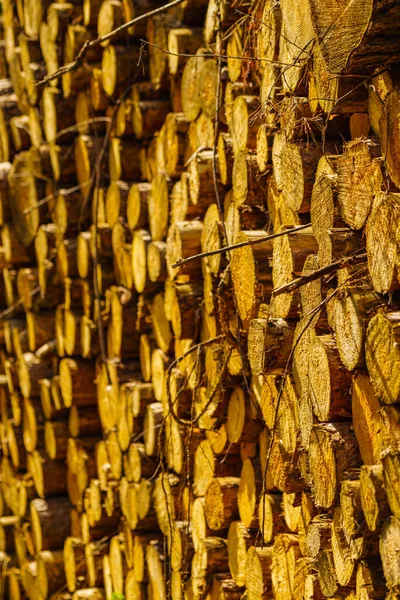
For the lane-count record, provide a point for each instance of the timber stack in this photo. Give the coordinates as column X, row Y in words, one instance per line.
column 225, row 426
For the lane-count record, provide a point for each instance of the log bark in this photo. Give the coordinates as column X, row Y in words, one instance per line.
column 42, row 515
column 333, row 449
column 381, row 337
column 372, row 27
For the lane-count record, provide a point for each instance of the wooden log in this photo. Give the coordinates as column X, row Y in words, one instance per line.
column 373, row 497
column 50, row 574
column 140, row 243
column 247, row 184
column 369, row 577
column 269, row 345
column 148, row 116
column 294, row 170
column 184, row 240
column 387, row 546
column 207, row 466
column 329, row 384
column 391, row 479
column 158, row 208
column 243, row 129
column 365, row 412
column 123, row 315
column 49, row 477
column 181, row 41
column 124, row 160
column 332, row 448
column 241, row 423
column 289, row 255
column 258, row 571
column 74, row 561
column 353, row 54
column 351, row 311
column 174, row 143
column 254, row 262
column 201, row 180
column 84, row 421
column 136, row 205
column 382, row 257
column 390, row 430
column 211, row 557
column 333, row 95
column 359, row 181
column 42, row 515
column 381, row 333
column 249, row 491
column 77, row 382
column 30, row 370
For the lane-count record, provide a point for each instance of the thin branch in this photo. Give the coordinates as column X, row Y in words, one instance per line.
column 11, row 308
column 184, row 261
column 329, row 269
column 77, row 126
column 196, row 347
column 280, row 34
column 214, row 55
column 63, row 192
column 77, row 62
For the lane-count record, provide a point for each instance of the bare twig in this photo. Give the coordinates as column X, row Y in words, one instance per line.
column 11, row 309
column 78, row 125
column 195, row 348
column 184, row 261
column 215, row 55
column 78, row 61
column 64, row 192
column 280, row 34
column 329, row 269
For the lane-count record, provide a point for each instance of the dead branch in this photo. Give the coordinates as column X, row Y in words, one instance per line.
column 328, row 270
column 184, row 261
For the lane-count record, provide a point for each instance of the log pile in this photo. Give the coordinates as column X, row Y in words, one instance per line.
column 227, row 425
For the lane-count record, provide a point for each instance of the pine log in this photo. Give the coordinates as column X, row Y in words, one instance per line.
column 49, row 477
column 50, row 574
column 329, row 384
column 351, row 314
column 210, row 558
column 220, row 502
column 251, row 273
column 365, row 412
column 351, row 52
column 258, row 571
column 381, row 341
column 136, row 205
column 332, row 451
column 373, row 497
column 382, row 258
column 77, row 382
column 42, row 515
column 239, row 540
column 359, row 181
column 55, row 438
column 289, row 255
column 294, row 167
column 388, row 550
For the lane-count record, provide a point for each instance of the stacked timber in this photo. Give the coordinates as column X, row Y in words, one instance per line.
column 200, row 319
